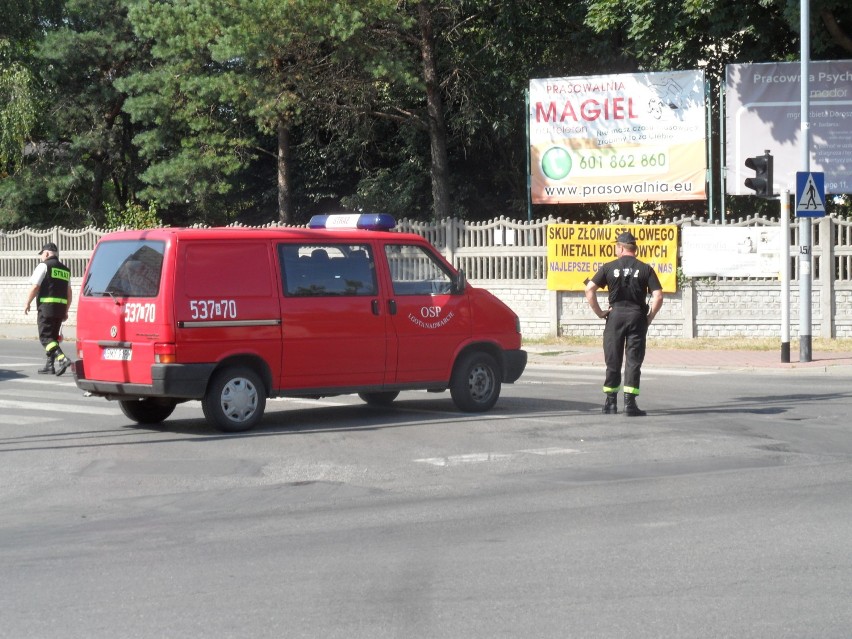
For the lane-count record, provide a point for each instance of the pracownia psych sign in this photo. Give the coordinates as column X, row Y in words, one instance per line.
column 575, row 252
column 618, row 138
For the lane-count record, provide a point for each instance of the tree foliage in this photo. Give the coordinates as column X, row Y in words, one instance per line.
column 268, row 110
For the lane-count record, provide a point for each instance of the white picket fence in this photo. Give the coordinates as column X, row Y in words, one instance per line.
column 509, row 258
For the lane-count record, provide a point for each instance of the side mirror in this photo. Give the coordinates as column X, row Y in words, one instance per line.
column 460, row 282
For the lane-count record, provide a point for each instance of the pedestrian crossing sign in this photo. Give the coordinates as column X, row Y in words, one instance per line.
column 810, row 194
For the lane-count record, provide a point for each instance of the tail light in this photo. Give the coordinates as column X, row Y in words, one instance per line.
column 165, row 353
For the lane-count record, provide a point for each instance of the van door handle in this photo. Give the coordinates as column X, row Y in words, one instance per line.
column 392, row 307
column 375, row 305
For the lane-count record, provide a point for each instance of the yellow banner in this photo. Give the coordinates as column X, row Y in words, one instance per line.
column 575, row 252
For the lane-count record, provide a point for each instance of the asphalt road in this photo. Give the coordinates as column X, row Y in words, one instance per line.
column 727, row 512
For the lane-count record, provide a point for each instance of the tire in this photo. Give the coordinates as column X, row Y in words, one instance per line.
column 147, row 411
column 382, row 398
column 235, row 400
column 475, row 385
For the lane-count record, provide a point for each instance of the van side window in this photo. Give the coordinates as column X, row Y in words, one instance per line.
column 311, row 270
column 415, row 271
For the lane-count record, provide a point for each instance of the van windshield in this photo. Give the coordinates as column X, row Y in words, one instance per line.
column 125, row 268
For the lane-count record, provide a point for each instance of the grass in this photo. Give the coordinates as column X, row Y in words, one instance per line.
column 818, row 344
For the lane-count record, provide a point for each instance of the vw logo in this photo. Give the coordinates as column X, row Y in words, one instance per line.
column 113, row 331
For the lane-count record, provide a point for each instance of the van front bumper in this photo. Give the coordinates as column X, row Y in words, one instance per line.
column 514, row 363
column 179, row 381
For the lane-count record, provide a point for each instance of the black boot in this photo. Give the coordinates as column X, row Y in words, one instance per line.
column 610, row 406
column 48, row 369
column 631, row 409
column 62, row 363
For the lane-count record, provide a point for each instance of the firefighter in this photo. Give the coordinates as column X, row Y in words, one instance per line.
column 51, row 288
column 629, row 282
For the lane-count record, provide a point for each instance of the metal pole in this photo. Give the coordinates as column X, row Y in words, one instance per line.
column 785, row 277
column 708, row 98
column 805, row 241
column 722, row 153
column 529, row 165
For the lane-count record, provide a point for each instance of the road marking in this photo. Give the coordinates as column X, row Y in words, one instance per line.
column 27, row 420
column 309, row 402
column 550, row 451
column 30, row 380
column 65, row 408
column 479, row 458
column 572, row 370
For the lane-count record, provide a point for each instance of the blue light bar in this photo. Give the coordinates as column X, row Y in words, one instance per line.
column 363, row 221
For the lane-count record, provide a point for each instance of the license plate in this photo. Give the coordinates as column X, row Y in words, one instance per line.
column 117, row 354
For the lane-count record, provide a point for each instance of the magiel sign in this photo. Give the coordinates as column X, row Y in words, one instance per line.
column 618, row 138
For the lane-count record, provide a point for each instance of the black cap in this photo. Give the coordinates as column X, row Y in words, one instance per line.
column 626, row 238
column 50, row 246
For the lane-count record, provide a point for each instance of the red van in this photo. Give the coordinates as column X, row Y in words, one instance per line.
column 231, row 316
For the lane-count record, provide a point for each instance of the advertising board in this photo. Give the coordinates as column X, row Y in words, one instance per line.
column 763, row 109
column 575, row 252
column 618, row 138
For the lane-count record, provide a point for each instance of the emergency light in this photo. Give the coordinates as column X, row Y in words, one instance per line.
column 363, row 221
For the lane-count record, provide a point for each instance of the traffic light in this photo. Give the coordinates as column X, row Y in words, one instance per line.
column 761, row 183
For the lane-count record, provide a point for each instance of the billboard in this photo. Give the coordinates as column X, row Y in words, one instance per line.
column 575, row 252
column 618, row 138
column 731, row 251
column 763, row 109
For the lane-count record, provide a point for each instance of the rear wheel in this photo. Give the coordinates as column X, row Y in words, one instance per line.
column 475, row 385
column 151, row 410
column 383, row 398
column 235, row 399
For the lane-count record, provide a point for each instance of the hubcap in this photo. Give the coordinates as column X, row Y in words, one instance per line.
column 239, row 400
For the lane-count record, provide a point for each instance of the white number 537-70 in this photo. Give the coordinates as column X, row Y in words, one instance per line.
column 212, row 309
column 134, row 312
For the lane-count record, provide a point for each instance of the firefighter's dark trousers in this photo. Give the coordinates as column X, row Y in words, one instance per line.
column 48, row 331
column 624, row 337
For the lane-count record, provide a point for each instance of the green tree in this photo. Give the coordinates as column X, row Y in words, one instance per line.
column 233, row 87
column 18, row 111
column 81, row 156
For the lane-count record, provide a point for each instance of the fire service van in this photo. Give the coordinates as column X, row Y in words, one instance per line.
column 233, row 316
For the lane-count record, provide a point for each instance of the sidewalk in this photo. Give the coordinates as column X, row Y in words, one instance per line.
column 558, row 355
column 561, row 355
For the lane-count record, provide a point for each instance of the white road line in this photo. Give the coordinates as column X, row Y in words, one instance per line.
column 51, row 381
column 479, row 458
column 309, row 402
column 550, row 451
column 572, row 371
column 56, row 408
column 27, row 420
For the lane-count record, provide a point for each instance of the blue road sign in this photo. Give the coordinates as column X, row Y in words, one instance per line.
column 810, row 194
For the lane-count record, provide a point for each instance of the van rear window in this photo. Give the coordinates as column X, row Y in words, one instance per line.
column 125, row 268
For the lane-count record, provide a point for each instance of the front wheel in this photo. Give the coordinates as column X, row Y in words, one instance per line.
column 150, row 410
column 235, row 400
column 475, row 385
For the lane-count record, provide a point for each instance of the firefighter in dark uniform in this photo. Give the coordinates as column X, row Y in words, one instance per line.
column 629, row 282
column 51, row 288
